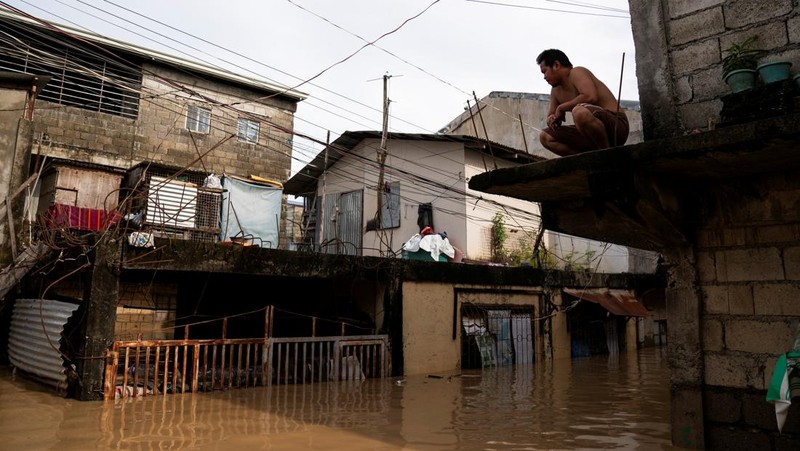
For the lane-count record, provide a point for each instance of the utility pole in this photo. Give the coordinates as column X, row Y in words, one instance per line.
column 382, row 152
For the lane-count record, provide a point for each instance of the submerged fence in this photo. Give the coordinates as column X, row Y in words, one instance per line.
column 157, row 367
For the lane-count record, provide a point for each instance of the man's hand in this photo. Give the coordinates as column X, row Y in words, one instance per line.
column 553, row 121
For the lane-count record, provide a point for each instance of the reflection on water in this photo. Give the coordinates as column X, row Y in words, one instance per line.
column 617, row 402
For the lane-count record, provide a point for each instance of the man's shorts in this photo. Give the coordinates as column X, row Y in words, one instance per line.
column 616, row 124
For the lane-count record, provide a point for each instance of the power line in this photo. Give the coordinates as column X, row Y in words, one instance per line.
column 549, row 9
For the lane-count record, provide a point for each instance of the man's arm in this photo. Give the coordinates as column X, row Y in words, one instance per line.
column 583, row 81
column 553, row 120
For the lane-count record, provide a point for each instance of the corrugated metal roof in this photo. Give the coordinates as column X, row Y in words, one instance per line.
column 304, row 181
column 618, row 302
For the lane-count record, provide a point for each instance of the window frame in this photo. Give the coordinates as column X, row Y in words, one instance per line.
column 250, row 124
column 196, row 120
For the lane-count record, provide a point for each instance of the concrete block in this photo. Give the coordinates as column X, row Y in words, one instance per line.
column 722, row 406
column 696, row 26
column 767, row 337
column 716, row 299
column 740, row 13
column 679, row 8
column 706, row 266
column 793, row 25
column 697, row 114
column 713, row 335
column 729, row 299
column 708, row 84
column 683, row 90
column 778, row 234
column 740, row 265
column 776, row 299
column 732, row 371
column 697, row 55
column 791, row 262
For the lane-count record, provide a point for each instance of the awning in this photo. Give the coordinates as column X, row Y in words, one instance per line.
column 618, row 302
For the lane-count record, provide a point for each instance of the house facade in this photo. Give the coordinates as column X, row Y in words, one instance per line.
column 108, row 106
column 424, row 179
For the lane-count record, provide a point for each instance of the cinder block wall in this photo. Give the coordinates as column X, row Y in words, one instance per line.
column 680, row 45
column 748, row 268
column 159, row 134
column 165, row 138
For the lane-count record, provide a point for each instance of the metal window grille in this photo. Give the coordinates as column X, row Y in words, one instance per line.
column 79, row 78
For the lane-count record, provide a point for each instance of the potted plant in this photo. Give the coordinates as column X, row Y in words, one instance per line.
column 740, row 63
column 773, row 71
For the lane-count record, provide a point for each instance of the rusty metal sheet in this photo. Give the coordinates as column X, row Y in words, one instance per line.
column 618, row 302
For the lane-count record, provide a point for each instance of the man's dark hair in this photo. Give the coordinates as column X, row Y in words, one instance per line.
column 550, row 56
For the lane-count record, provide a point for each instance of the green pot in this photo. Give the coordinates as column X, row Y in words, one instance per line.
column 774, row 71
column 741, row 79
column 797, row 80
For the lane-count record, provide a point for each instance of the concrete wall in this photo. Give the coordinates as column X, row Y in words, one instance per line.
column 731, row 301
column 521, row 218
column 12, row 105
column 679, row 50
column 160, row 134
column 515, row 119
column 428, row 307
column 428, row 172
column 748, row 277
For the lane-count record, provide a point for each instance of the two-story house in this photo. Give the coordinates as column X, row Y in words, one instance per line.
column 108, row 106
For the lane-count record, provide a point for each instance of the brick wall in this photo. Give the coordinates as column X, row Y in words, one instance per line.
column 681, row 43
column 159, row 134
column 162, row 120
column 748, row 268
column 146, row 311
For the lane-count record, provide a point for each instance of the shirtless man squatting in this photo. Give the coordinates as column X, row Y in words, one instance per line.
column 599, row 121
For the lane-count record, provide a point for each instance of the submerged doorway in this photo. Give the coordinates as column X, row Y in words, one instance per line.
column 595, row 331
column 496, row 335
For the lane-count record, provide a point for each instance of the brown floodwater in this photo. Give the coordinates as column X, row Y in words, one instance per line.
column 601, row 402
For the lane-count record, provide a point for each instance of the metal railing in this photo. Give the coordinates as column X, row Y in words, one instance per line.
column 157, row 367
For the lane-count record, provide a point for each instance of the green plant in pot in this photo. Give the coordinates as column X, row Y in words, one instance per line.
column 739, row 64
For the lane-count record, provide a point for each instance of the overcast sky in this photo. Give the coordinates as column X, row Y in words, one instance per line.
column 436, row 52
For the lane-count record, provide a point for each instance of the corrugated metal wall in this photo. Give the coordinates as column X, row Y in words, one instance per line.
column 342, row 227
column 35, row 338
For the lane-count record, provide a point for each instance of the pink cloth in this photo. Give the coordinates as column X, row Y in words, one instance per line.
column 81, row 218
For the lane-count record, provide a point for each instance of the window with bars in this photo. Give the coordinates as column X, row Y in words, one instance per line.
column 248, row 130
column 198, row 119
column 81, row 77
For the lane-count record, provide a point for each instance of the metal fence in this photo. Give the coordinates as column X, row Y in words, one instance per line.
column 157, row 367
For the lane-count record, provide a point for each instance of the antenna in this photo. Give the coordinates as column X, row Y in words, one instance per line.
column 619, row 95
